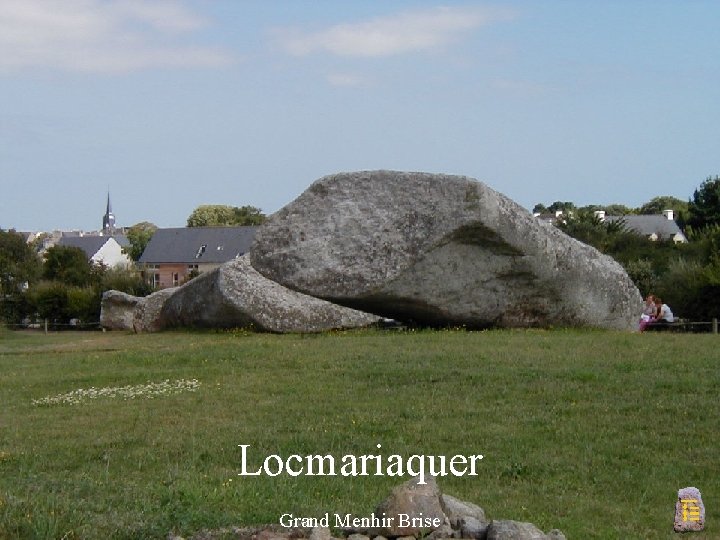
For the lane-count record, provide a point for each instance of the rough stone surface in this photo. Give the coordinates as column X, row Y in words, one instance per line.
column 456, row 510
column 117, row 310
column 235, row 295
column 121, row 311
column 513, row 530
column 689, row 511
column 444, row 531
column 147, row 312
column 269, row 534
column 320, row 533
column 471, row 527
column 413, row 499
column 439, row 249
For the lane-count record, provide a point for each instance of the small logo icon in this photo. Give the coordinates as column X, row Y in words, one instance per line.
column 690, row 509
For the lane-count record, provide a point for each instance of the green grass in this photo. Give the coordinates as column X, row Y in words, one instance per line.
column 591, row 432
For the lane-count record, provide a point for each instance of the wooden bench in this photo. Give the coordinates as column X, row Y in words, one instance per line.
column 685, row 325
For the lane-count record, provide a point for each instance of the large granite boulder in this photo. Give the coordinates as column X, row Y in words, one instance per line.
column 117, row 310
column 147, row 313
column 235, row 295
column 439, row 250
column 122, row 311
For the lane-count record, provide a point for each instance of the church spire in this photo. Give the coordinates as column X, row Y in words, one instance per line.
column 108, row 219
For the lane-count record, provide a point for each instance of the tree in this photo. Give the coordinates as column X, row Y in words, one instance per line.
column 139, row 235
column 127, row 280
column 19, row 268
column 618, row 210
column 704, row 208
column 248, row 215
column 19, row 265
column 643, row 274
column 68, row 265
column 585, row 226
column 219, row 215
column 211, row 215
column 566, row 206
column 656, row 205
column 692, row 289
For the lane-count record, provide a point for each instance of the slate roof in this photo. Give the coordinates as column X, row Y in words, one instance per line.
column 196, row 245
column 27, row 236
column 90, row 244
column 647, row 225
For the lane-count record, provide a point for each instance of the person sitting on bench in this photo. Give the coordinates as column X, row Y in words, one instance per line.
column 665, row 315
column 650, row 312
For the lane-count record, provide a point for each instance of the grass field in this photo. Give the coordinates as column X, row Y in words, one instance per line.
column 591, row 432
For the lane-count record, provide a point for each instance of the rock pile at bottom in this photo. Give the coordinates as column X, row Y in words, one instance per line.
column 416, row 503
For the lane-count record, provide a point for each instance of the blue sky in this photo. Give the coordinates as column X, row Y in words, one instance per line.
column 172, row 104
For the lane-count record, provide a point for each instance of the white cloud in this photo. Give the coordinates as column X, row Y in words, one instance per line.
column 100, row 36
column 391, row 35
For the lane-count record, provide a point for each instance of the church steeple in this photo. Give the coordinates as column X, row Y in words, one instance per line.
column 108, row 219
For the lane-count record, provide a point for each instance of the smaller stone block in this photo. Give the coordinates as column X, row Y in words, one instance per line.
column 412, row 500
column 689, row 511
column 320, row 533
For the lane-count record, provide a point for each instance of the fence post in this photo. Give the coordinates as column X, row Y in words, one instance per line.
column 714, row 325
column 46, row 326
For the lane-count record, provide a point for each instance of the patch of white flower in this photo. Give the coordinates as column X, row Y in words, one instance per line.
column 147, row 391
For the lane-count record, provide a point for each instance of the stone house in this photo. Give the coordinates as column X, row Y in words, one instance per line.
column 654, row 227
column 173, row 254
column 105, row 250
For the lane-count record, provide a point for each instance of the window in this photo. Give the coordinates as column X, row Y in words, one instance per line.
column 176, row 279
column 155, row 280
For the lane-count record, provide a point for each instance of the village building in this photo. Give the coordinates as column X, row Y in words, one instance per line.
column 654, row 226
column 175, row 255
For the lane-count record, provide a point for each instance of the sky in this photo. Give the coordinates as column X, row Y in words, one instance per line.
column 172, row 104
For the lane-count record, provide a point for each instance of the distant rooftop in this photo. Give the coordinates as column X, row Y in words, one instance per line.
column 91, row 244
column 194, row 245
column 648, row 225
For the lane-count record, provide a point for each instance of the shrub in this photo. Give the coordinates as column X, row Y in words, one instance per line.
column 691, row 289
column 60, row 303
column 643, row 274
column 125, row 280
column 48, row 299
column 13, row 308
column 83, row 303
